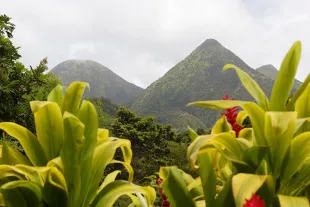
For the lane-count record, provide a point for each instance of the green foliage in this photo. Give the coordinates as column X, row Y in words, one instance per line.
column 148, row 140
column 66, row 159
column 18, row 85
column 271, row 159
column 106, row 111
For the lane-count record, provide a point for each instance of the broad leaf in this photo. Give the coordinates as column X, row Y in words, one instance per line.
column 218, row 104
column 29, row 142
column 109, row 194
column 56, row 95
column 103, row 155
column 221, row 125
column 251, row 86
column 208, row 178
column 242, row 115
column 289, row 201
column 291, row 104
column 22, row 193
column 285, row 78
column 88, row 116
column 302, row 107
column 244, row 185
column 246, row 133
column 192, row 134
column 73, row 96
column 71, row 155
column 11, row 156
column 255, row 113
column 175, row 188
column 49, row 127
column 298, row 154
column 279, row 130
column 55, row 189
column 109, row 179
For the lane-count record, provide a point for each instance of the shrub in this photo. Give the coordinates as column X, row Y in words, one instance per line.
column 66, row 160
column 266, row 165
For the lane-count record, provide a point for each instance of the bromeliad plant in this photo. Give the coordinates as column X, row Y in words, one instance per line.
column 66, row 159
column 266, row 165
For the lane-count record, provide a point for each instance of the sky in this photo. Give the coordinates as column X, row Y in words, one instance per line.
column 140, row 40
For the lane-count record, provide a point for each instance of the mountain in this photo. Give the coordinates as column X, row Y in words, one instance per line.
column 103, row 82
column 106, row 111
column 271, row 72
column 198, row 77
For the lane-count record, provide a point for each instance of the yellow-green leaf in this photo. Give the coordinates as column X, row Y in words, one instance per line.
column 73, row 97
column 109, row 178
column 298, row 154
column 29, row 142
column 12, row 156
column 55, row 189
column 291, row 104
column 56, row 162
column 102, row 134
column 246, row 133
column 244, row 185
column 56, row 95
column 221, row 125
column 285, row 78
column 251, row 86
column 175, row 187
column 208, row 177
column 242, row 115
column 127, row 166
column 290, row 201
column 302, row 107
column 279, row 130
column 22, row 193
column 192, row 134
column 218, row 104
column 103, row 155
column 255, row 113
column 49, row 127
column 88, row 116
column 71, row 156
column 108, row 195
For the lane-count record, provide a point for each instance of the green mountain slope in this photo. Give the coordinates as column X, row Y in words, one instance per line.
column 271, row 72
column 103, row 82
column 106, row 111
column 198, row 77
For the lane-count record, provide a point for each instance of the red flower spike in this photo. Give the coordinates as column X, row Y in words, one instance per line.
column 165, row 202
column 255, row 201
column 231, row 116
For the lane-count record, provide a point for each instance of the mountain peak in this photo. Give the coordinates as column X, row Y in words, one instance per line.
column 103, row 81
column 211, row 43
column 267, row 67
column 271, row 72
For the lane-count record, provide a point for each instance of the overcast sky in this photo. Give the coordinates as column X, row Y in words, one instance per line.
column 140, row 40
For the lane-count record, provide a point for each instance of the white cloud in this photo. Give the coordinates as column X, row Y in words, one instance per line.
column 142, row 39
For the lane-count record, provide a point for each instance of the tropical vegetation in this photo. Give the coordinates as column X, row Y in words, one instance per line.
column 63, row 150
column 266, row 165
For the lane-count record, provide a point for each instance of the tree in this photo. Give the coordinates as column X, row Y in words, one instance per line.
column 19, row 85
column 149, row 141
column 106, row 111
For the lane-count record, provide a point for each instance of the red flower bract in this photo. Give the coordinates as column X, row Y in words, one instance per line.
column 165, row 202
column 231, row 116
column 255, row 201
